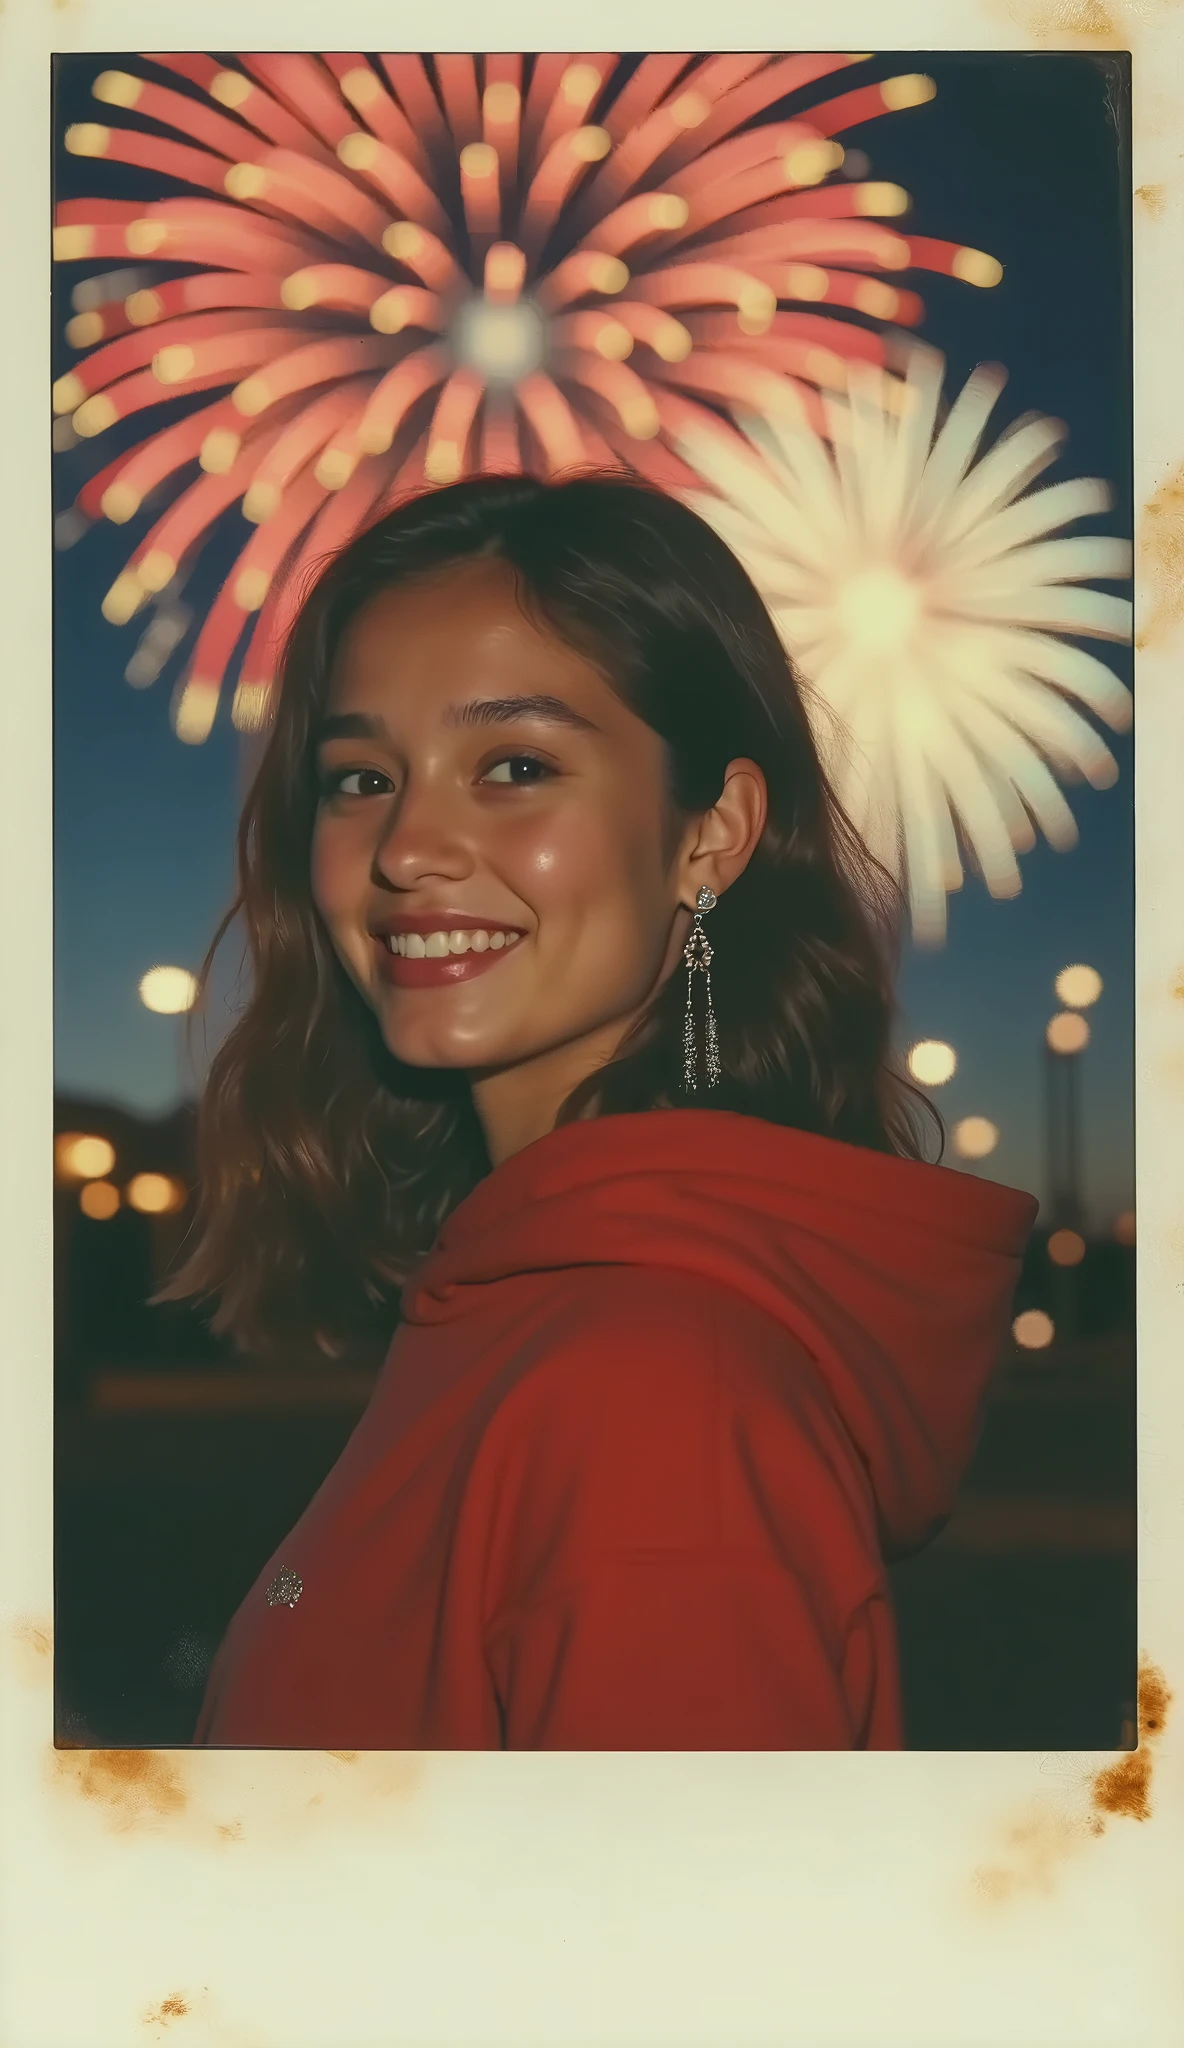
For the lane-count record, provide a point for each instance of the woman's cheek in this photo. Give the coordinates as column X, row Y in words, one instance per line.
column 560, row 859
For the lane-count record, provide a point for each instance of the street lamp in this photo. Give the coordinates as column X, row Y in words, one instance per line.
column 932, row 1062
column 78, row 1156
column 168, row 990
column 975, row 1137
column 1078, row 986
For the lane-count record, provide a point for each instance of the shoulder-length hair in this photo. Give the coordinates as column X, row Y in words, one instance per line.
column 325, row 1165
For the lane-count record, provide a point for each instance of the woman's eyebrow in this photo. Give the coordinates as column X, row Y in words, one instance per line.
column 348, row 725
column 501, row 710
column 361, row 725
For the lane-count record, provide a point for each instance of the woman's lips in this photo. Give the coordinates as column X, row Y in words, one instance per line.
column 402, row 972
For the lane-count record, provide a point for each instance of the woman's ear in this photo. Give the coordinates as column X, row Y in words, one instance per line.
column 729, row 832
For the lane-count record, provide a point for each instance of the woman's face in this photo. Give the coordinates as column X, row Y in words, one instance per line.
column 449, row 804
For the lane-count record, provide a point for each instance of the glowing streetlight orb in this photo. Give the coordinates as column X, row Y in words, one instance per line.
column 168, row 990
column 1033, row 1330
column 975, row 1137
column 154, row 1194
column 1066, row 1247
column 1067, row 1032
column 502, row 343
column 79, row 1157
column 1124, row 1227
column 878, row 610
column 932, row 1062
column 99, row 1200
column 1078, row 987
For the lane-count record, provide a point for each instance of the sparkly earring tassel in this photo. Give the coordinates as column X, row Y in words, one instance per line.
column 698, row 955
column 688, row 1041
column 712, row 1048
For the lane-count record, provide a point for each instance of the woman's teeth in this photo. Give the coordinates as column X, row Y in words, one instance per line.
column 435, row 945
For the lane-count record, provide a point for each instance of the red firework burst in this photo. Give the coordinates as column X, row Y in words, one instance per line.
column 411, row 268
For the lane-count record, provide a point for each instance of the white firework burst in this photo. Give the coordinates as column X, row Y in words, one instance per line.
column 922, row 598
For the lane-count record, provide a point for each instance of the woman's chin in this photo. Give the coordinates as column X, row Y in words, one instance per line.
column 423, row 1049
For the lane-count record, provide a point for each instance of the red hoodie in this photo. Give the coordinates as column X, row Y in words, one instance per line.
column 666, row 1387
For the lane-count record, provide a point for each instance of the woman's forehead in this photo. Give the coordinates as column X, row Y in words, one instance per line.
column 463, row 624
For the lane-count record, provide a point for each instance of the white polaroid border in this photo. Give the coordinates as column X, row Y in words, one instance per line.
column 282, row 1899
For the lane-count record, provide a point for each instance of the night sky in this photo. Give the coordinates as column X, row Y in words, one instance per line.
column 1024, row 156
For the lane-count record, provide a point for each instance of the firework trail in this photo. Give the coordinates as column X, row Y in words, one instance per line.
column 923, row 598
column 401, row 270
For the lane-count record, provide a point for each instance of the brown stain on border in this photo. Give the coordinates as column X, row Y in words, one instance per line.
column 1161, row 549
column 1087, row 23
column 1036, row 1847
column 204, row 2011
column 174, row 2007
column 1038, row 1844
column 32, row 1642
column 162, row 1792
column 1153, row 197
column 1100, row 26
column 130, row 1787
column 1124, row 1788
column 1073, row 18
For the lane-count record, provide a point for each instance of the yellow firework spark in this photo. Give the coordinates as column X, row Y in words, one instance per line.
column 922, row 597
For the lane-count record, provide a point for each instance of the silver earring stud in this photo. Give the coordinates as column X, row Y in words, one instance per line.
column 698, row 956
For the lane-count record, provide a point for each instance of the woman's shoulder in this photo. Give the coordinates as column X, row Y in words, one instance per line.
column 630, row 1346
column 660, row 1412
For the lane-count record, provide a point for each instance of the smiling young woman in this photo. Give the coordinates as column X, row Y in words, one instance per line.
column 683, row 1334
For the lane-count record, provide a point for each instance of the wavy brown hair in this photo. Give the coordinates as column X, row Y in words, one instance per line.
column 325, row 1165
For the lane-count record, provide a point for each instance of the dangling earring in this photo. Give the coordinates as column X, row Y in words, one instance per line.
column 698, row 954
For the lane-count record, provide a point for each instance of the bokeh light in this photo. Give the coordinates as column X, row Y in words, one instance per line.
column 1066, row 1248
column 78, row 1156
column 932, row 1062
column 168, row 990
column 1078, row 987
column 1124, row 1227
column 975, row 1137
column 155, row 1194
column 99, row 1200
column 1033, row 1330
column 1067, row 1032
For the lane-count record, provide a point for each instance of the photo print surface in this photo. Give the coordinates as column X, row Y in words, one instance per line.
column 867, row 318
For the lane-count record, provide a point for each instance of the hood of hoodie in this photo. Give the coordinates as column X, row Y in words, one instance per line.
column 897, row 1277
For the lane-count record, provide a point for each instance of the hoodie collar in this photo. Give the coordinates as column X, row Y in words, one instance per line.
column 895, row 1276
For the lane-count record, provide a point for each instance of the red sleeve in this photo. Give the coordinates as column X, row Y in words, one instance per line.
column 683, row 1652
column 687, row 1555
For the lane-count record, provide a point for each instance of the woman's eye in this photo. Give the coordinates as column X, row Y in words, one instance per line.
column 509, row 761
column 336, row 783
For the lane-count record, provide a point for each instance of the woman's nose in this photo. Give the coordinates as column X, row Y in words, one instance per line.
column 420, row 835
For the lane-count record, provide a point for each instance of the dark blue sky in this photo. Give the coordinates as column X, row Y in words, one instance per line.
column 1021, row 155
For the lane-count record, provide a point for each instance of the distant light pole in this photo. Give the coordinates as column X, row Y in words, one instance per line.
column 1065, row 1039
column 171, row 992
